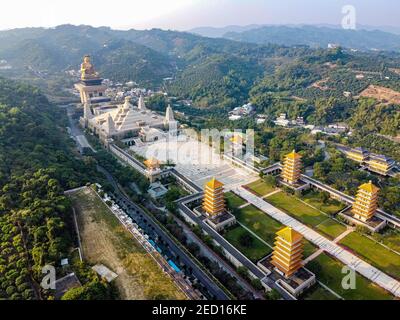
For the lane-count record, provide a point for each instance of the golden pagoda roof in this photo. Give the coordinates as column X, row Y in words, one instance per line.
column 369, row 187
column 289, row 235
column 151, row 163
column 293, row 155
column 214, row 184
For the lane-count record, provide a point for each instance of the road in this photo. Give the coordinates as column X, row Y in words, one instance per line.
column 134, row 211
column 76, row 132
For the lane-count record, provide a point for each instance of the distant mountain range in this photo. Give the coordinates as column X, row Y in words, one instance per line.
column 364, row 38
column 217, row 73
column 215, row 32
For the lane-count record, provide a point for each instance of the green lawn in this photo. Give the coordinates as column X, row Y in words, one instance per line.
column 391, row 238
column 329, row 272
column 233, row 201
column 259, row 222
column 295, row 207
column 331, row 207
column 265, row 226
column 305, row 214
column 309, row 249
column 261, row 187
column 374, row 253
column 318, row 292
column 257, row 250
column 331, row 228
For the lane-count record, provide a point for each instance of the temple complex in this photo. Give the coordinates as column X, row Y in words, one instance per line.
column 109, row 120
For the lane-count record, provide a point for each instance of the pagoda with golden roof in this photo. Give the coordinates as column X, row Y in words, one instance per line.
column 152, row 164
column 214, row 202
column 366, row 202
column 288, row 251
column 291, row 171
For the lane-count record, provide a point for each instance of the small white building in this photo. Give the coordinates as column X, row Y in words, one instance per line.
column 282, row 120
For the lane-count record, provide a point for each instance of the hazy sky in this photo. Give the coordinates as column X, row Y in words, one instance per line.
column 186, row 14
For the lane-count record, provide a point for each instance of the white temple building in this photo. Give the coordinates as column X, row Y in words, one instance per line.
column 125, row 121
column 109, row 120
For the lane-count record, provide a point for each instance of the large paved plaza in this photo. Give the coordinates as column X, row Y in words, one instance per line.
column 196, row 161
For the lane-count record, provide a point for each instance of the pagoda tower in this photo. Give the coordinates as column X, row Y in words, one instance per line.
column 214, row 202
column 291, row 171
column 288, row 251
column 152, row 164
column 366, row 202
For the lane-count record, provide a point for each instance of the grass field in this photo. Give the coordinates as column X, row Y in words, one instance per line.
column 305, row 214
column 106, row 241
column 233, row 201
column 329, row 272
column 257, row 250
column 295, row 207
column 266, row 227
column 258, row 222
column 318, row 292
column 391, row 238
column 261, row 187
column 373, row 253
column 331, row 207
column 331, row 228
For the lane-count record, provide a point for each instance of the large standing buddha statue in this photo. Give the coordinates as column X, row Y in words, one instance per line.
column 87, row 69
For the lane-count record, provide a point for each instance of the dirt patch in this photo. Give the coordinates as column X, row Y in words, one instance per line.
column 381, row 94
column 106, row 241
column 321, row 84
column 395, row 70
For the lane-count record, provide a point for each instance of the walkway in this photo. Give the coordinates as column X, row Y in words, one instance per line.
column 319, row 251
column 349, row 259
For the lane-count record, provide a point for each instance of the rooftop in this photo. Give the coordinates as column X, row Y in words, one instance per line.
column 369, row 187
column 289, row 235
column 293, row 155
column 214, row 184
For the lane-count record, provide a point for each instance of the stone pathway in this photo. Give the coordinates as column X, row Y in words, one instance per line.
column 346, row 257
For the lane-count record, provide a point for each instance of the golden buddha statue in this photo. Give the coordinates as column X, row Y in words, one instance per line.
column 87, row 69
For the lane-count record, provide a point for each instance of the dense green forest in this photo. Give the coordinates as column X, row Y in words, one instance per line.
column 36, row 166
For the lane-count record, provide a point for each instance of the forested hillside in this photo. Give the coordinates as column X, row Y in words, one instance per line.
column 36, row 166
column 321, row 85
